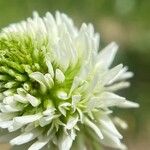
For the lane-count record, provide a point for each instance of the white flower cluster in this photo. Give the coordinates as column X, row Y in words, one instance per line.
column 55, row 84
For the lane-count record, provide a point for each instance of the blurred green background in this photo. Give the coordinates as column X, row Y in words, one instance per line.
column 125, row 21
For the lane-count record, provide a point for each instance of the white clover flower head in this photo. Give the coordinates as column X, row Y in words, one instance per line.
column 55, row 84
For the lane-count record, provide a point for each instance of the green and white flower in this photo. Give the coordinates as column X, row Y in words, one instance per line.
column 56, row 88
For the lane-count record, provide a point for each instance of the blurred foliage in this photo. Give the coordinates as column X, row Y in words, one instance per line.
column 124, row 21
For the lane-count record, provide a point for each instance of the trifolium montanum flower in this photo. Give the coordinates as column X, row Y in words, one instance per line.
column 56, row 88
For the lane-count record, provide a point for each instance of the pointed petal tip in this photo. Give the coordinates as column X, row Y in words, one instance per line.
column 107, row 54
column 129, row 104
column 113, row 46
column 133, row 104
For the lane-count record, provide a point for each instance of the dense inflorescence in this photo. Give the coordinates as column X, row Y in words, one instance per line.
column 55, row 84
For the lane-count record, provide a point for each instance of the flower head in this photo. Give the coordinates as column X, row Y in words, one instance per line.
column 55, row 84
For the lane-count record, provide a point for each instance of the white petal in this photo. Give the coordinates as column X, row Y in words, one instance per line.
column 5, row 124
column 117, row 76
column 118, row 86
column 15, row 126
column 94, row 127
column 121, row 123
column 9, row 108
column 75, row 84
column 122, row 75
column 73, row 134
column 49, row 111
column 39, row 144
column 63, row 107
column 9, row 92
column 71, row 122
column 27, row 119
column 30, row 127
column 112, row 99
column 9, row 100
column 75, row 100
column 106, row 99
column 128, row 104
column 108, row 77
column 59, row 75
column 65, row 142
column 126, row 75
column 47, row 120
column 25, row 137
column 39, row 77
column 94, row 102
column 109, row 126
column 33, row 101
column 106, row 56
column 10, row 84
column 20, row 98
column 81, row 42
column 7, row 116
column 111, row 140
column 21, row 91
column 80, row 115
column 49, row 81
column 69, row 24
column 49, row 65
